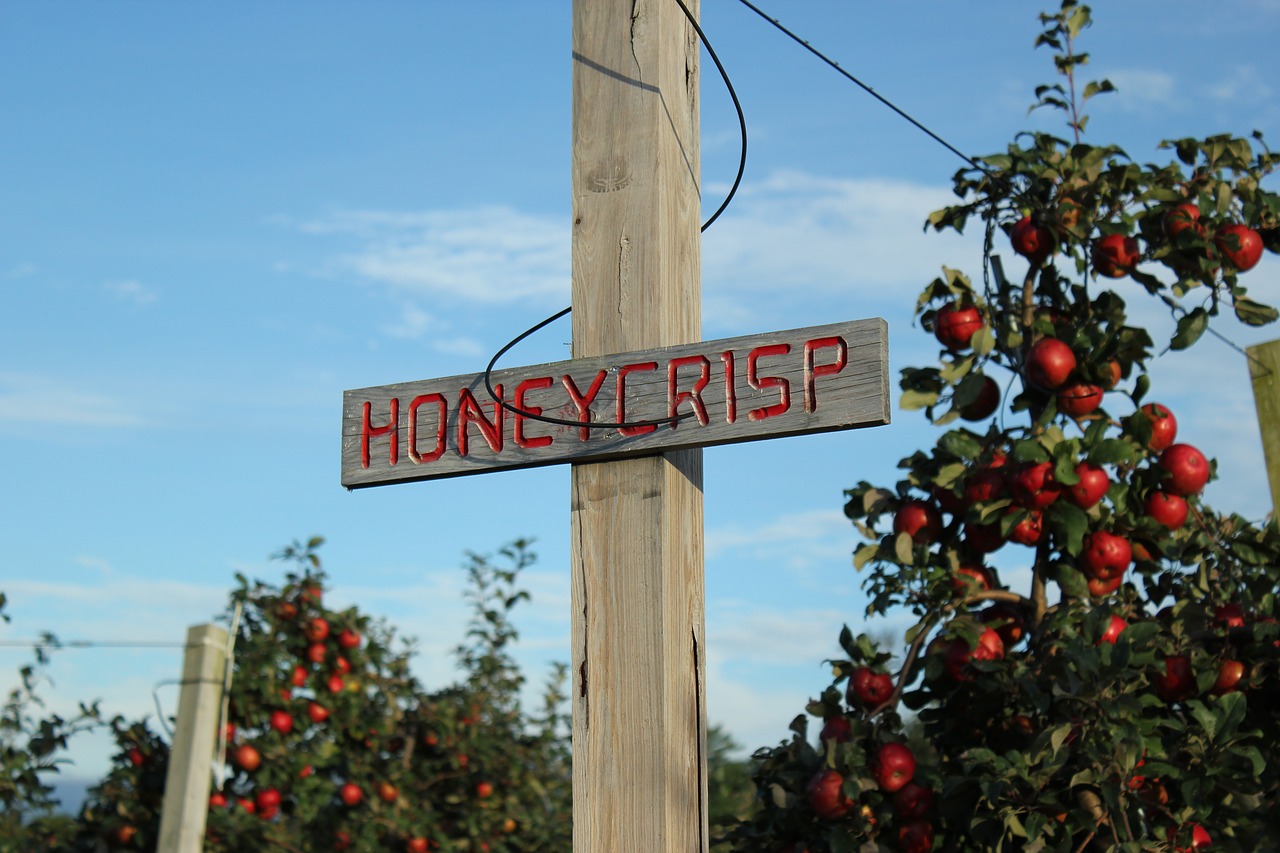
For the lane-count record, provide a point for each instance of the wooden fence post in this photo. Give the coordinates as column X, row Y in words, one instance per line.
column 186, row 790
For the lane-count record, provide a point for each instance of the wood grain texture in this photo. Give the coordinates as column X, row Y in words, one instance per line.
column 187, row 781
column 1264, row 371
column 639, row 715
column 746, row 388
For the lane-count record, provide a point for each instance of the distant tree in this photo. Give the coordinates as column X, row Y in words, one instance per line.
column 33, row 747
column 332, row 743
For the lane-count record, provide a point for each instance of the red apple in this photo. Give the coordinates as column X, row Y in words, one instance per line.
column 246, row 803
column 341, row 665
column 826, row 795
column 135, row 756
column 286, row 611
column 1177, row 682
column 1079, row 399
column 1230, row 672
column 919, row 519
column 893, row 767
column 913, row 801
column 1034, row 242
column 837, row 729
column 282, row 722
column 1029, row 530
column 1033, row 486
column 1008, row 620
column 317, row 629
column 988, row 484
column 985, row 404
column 387, row 792
column 1240, row 245
column 247, row 758
column 971, row 576
column 484, row 790
column 869, row 688
column 1180, row 218
column 1099, row 587
column 348, row 639
column 266, row 799
column 350, row 793
column 958, row 653
column 1164, row 426
column 1169, row 510
column 1187, row 470
column 1115, row 627
column 1049, row 363
column 983, row 538
column 298, row 677
column 217, row 800
column 341, row 840
column 417, row 844
column 1092, row 486
column 1230, row 615
column 915, row 837
column 1105, row 555
column 954, row 326
column 317, row 712
column 1115, row 255
column 336, row 684
column 316, row 652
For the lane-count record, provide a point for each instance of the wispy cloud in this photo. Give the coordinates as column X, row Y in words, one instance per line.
column 32, row 399
column 488, row 255
column 130, row 291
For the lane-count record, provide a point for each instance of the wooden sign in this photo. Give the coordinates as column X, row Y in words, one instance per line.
column 817, row 379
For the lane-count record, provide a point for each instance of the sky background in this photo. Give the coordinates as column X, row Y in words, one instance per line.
column 214, row 218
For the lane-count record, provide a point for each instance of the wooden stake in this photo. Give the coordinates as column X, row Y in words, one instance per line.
column 639, row 717
column 1264, row 370
column 186, row 788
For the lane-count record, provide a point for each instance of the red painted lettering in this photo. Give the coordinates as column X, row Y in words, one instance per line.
column 730, row 388
column 523, row 388
column 676, row 397
column 442, row 425
column 583, row 401
column 469, row 412
column 622, row 393
column 758, row 382
column 812, row 371
column 368, row 431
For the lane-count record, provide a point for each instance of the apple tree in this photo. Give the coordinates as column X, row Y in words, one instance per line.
column 1094, row 662
column 331, row 743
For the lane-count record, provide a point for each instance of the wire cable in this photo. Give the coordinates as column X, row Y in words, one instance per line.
column 733, row 190
column 872, row 92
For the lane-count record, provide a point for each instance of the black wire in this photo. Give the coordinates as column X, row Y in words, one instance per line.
column 872, row 92
column 737, row 181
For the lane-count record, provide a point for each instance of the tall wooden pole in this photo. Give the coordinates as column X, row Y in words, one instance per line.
column 186, row 785
column 639, row 718
column 1264, row 370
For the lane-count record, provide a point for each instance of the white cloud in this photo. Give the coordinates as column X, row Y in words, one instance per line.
column 1139, row 88
column 32, row 399
column 487, row 255
column 130, row 291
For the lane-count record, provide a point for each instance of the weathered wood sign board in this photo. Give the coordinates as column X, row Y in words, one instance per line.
column 801, row 381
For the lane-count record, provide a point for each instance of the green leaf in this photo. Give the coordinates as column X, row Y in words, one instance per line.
column 962, row 444
column 1254, row 313
column 864, row 555
column 1191, row 326
column 1069, row 523
column 914, row 399
column 1073, row 583
column 903, row 548
column 1112, row 451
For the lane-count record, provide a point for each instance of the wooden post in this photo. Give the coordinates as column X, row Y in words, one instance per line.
column 186, row 788
column 1264, row 370
column 639, row 718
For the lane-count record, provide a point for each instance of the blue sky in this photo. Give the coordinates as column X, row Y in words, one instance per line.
column 217, row 217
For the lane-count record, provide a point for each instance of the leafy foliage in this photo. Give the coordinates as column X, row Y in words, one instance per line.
column 1117, row 688
column 352, row 752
